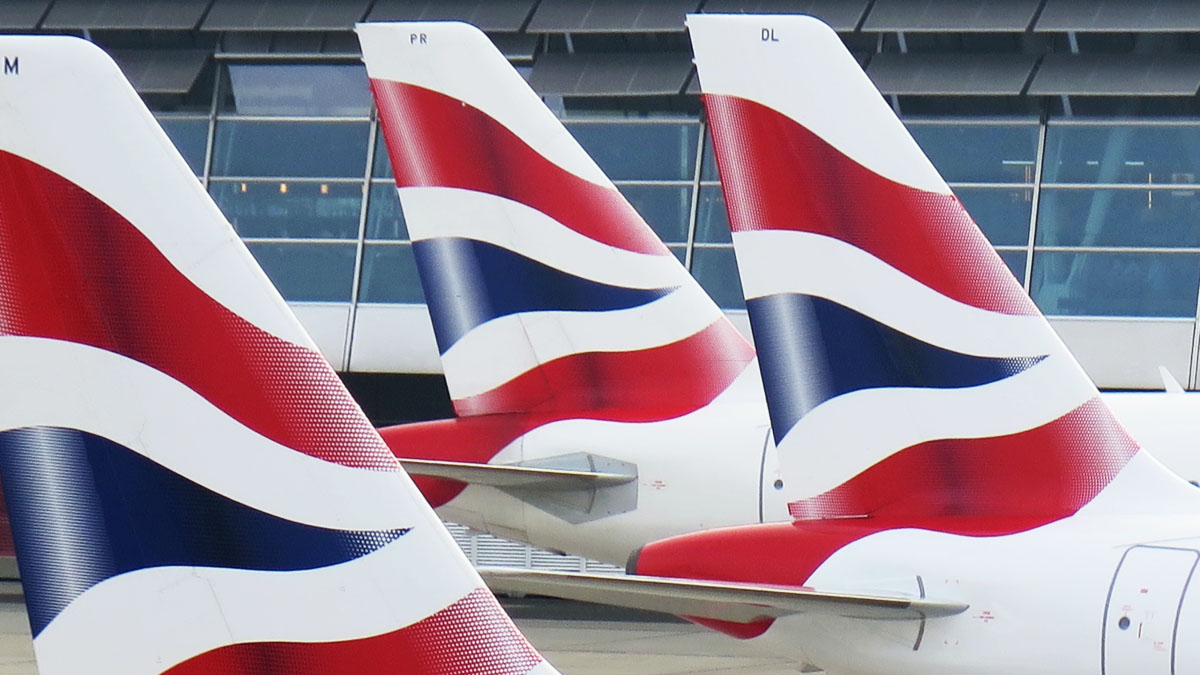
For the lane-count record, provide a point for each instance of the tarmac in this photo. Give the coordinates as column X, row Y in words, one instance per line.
column 578, row 638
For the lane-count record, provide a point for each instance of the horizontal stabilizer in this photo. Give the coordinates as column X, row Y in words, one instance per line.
column 718, row 601
column 508, row 476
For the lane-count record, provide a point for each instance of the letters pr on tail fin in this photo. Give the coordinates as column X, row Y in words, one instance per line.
column 549, row 293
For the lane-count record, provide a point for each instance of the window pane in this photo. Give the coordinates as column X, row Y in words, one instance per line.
column 709, row 169
column 665, row 208
column 283, row 209
column 1001, row 153
column 1116, row 284
column 716, row 270
column 288, row 89
column 627, row 151
column 712, row 222
column 1169, row 218
column 312, row 272
column 190, row 137
column 1122, row 154
column 385, row 219
column 383, row 165
column 1016, row 264
column 310, row 149
column 680, row 252
column 1002, row 214
column 390, row 275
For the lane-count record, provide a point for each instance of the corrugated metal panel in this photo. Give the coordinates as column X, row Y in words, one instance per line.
column 22, row 14
column 464, row 538
column 126, row 14
column 611, row 16
column 493, row 551
column 843, row 15
column 611, row 74
column 285, row 15
column 161, row 71
column 555, row 562
column 485, row 550
column 951, row 74
column 595, row 567
column 977, row 16
column 494, row 15
column 1119, row 16
column 1117, row 75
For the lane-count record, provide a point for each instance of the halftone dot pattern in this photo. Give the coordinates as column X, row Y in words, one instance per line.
column 438, row 141
column 812, row 349
column 469, row 283
column 89, row 509
column 634, row 386
column 778, row 175
column 74, row 269
column 1047, row 473
column 473, row 636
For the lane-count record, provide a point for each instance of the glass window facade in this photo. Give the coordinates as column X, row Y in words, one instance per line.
column 308, row 148
column 390, row 274
column 1107, row 213
column 716, row 269
column 665, row 207
column 999, row 153
column 1122, row 153
column 190, row 136
column 1108, row 283
column 328, row 90
column 290, row 209
column 1002, row 213
column 307, row 272
column 1119, row 218
column 385, row 218
column 1118, row 222
column 664, row 151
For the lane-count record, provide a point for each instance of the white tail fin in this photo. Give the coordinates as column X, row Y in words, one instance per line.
column 549, row 294
column 907, row 373
column 191, row 488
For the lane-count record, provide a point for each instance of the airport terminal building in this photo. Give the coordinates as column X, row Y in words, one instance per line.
column 1069, row 128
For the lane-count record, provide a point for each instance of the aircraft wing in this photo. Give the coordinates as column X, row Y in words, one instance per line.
column 508, row 476
column 722, row 601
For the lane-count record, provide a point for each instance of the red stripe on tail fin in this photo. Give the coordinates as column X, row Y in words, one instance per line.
column 777, row 175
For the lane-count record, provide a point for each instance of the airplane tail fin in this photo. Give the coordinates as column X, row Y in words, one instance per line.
column 191, row 488
column 907, row 372
column 549, row 294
